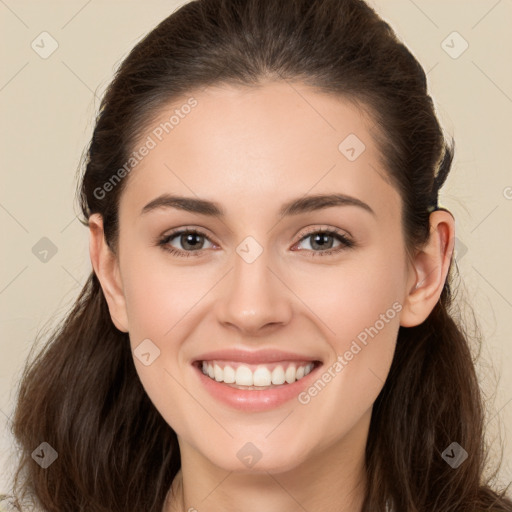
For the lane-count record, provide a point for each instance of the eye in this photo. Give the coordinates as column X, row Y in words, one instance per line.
column 190, row 239
column 323, row 240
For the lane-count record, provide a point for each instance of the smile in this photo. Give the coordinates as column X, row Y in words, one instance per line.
column 252, row 376
column 253, row 385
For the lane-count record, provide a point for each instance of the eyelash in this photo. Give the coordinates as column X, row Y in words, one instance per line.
column 346, row 242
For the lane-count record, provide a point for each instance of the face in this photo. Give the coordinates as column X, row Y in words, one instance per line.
column 324, row 283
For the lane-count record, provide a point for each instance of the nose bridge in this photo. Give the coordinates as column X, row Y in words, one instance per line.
column 253, row 296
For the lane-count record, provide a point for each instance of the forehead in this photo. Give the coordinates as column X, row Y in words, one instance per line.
column 255, row 147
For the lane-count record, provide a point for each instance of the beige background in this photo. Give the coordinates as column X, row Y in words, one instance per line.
column 48, row 107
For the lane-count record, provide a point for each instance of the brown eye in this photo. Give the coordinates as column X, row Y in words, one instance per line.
column 321, row 242
column 191, row 242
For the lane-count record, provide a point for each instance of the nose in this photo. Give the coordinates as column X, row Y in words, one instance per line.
column 254, row 299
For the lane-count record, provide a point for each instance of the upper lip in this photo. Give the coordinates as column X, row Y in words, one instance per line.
column 253, row 357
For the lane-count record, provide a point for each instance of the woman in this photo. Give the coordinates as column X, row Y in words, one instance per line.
column 256, row 136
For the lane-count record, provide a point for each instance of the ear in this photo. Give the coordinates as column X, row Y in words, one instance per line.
column 429, row 270
column 106, row 268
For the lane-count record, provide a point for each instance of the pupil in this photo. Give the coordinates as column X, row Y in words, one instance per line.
column 189, row 240
column 320, row 240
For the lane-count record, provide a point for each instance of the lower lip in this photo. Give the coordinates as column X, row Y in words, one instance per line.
column 255, row 400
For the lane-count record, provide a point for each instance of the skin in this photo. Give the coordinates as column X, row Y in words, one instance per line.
column 251, row 150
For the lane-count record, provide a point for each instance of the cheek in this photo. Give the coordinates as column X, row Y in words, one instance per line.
column 357, row 309
column 158, row 295
column 158, row 299
column 354, row 295
column 359, row 305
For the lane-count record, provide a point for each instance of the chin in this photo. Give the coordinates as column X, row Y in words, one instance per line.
column 269, row 460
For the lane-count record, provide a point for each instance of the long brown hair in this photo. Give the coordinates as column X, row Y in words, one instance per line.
column 82, row 395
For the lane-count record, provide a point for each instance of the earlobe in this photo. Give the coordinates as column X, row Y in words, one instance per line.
column 429, row 270
column 106, row 268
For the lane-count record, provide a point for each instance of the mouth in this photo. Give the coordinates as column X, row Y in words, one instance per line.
column 255, row 381
column 256, row 376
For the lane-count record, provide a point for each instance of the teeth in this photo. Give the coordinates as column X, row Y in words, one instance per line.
column 290, row 374
column 218, row 373
column 243, row 376
column 278, row 375
column 260, row 377
column 229, row 375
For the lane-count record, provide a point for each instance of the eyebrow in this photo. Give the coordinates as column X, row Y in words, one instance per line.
column 294, row 207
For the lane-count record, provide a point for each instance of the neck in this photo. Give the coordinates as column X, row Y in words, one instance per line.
column 333, row 480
